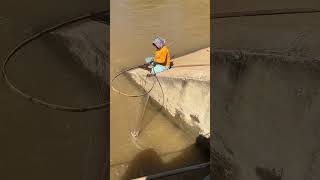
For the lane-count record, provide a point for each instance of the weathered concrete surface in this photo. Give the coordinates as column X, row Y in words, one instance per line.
column 294, row 35
column 88, row 42
column 186, row 90
column 265, row 124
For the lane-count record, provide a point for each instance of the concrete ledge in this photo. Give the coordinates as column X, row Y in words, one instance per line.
column 266, row 121
column 88, row 42
column 187, row 91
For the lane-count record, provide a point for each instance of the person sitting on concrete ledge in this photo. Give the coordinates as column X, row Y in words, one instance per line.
column 161, row 60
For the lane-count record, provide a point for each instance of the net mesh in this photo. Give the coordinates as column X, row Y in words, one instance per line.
column 139, row 111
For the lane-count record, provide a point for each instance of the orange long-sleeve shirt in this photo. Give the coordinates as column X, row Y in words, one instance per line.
column 162, row 56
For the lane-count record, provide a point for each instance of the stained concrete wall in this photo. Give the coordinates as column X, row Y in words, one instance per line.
column 186, row 91
column 88, row 42
column 265, row 124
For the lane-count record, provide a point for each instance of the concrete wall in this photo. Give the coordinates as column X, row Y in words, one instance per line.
column 190, row 113
column 186, row 92
column 265, row 124
column 88, row 42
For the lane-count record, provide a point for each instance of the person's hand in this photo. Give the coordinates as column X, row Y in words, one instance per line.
column 171, row 64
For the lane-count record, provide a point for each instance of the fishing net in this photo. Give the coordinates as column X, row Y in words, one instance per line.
column 136, row 90
column 37, row 100
column 141, row 103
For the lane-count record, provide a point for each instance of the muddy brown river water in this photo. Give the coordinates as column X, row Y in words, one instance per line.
column 161, row 145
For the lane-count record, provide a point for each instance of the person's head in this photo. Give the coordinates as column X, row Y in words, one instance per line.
column 158, row 43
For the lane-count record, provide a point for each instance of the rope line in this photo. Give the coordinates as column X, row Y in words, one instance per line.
column 125, row 94
column 34, row 99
